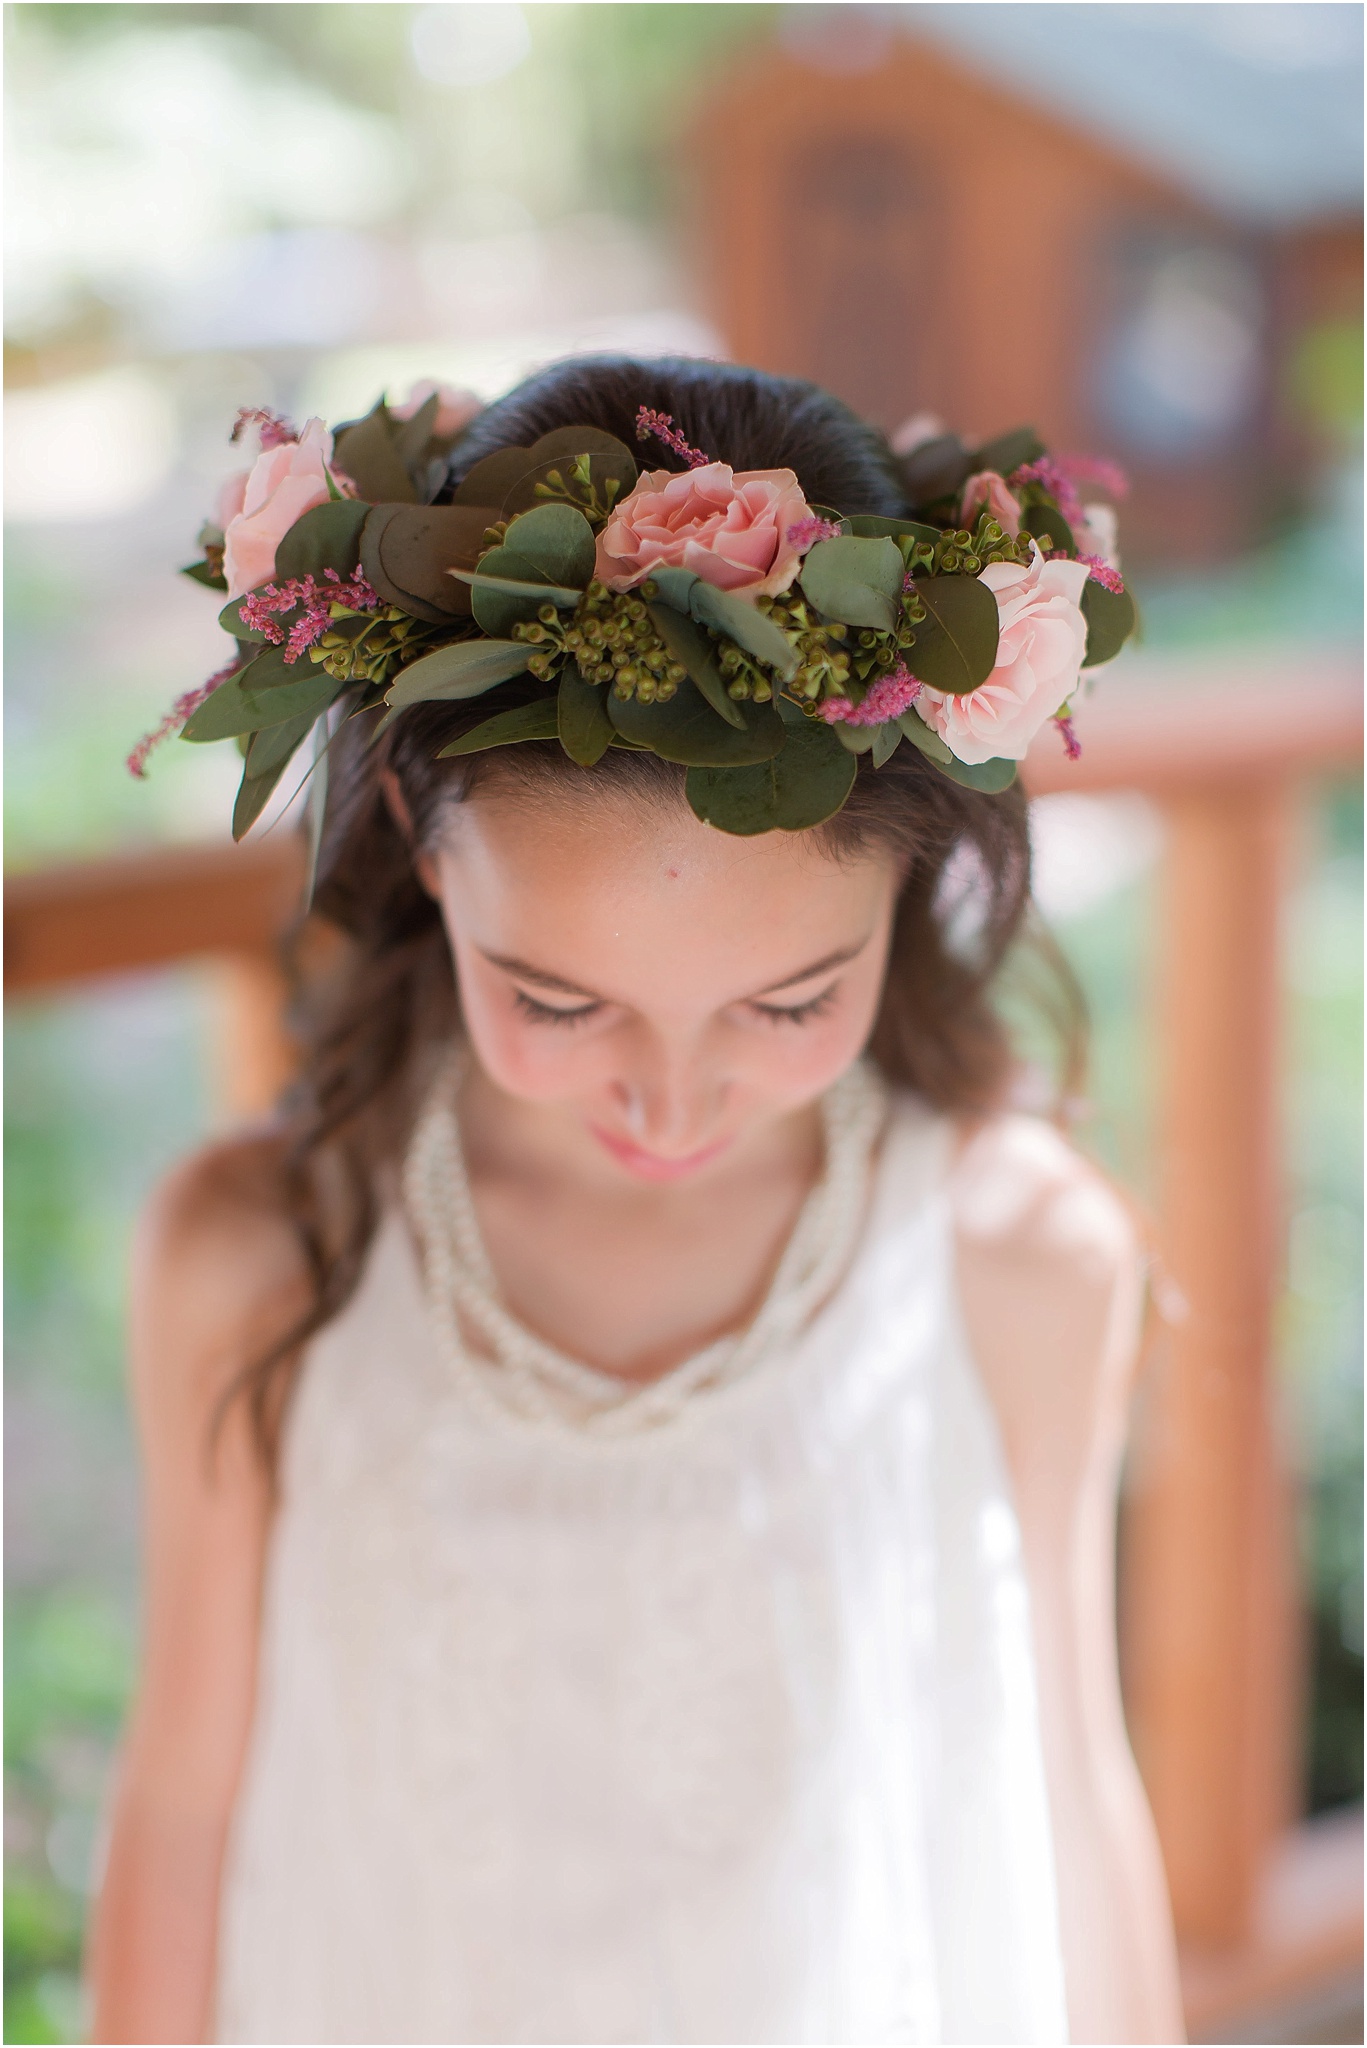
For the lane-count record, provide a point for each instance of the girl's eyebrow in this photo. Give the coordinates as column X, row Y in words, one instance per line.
column 538, row 975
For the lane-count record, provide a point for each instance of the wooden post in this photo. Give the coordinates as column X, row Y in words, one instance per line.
column 1208, row 1568
column 253, row 1056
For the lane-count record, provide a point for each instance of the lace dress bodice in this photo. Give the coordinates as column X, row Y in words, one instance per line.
column 711, row 1724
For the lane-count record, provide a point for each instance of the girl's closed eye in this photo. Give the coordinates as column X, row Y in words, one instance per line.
column 800, row 1013
column 546, row 1013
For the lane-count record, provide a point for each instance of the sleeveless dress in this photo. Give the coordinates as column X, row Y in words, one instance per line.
column 703, row 1715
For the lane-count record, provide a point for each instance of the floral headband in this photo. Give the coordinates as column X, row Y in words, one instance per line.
column 710, row 616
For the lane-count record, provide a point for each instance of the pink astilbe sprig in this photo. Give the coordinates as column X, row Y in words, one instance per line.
column 1094, row 469
column 275, row 429
column 886, row 697
column 1060, row 476
column 1101, row 572
column 263, row 610
column 807, row 532
column 1072, row 744
column 661, row 425
column 175, row 719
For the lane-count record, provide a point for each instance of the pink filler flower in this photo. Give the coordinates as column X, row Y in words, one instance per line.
column 731, row 528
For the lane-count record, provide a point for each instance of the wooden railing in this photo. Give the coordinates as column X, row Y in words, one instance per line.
column 1210, row 1631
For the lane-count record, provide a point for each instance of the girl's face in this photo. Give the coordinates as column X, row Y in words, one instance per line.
column 663, row 986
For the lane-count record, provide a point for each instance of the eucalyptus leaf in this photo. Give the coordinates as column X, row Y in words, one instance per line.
column 526, row 495
column 235, row 708
column 937, row 469
column 467, row 668
column 327, row 537
column 674, row 586
column 558, row 540
column 887, row 738
column 254, row 792
column 274, row 744
column 800, row 787
column 1039, row 520
column 688, row 644
column 498, row 611
column 989, row 776
column 856, row 739
column 582, row 720
column 857, row 581
column 490, row 479
column 365, row 452
column 920, row 734
column 411, row 436
column 412, row 549
column 572, row 441
column 200, row 572
column 687, row 729
column 1008, row 452
column 508, row 586
column 536, row 721
column 741, row 621
column 231, row 620
column 873, row 526
column 955, row 649
column 1110, row 617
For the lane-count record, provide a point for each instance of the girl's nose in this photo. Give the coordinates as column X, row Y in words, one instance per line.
column 673, row 1110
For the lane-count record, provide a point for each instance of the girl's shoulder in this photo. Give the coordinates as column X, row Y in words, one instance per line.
column 220, row 1272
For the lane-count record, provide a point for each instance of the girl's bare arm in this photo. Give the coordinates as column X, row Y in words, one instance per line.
column 1052, row 1286
column 216, row 1273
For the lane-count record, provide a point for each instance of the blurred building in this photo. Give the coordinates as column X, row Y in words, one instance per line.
column 884, row 218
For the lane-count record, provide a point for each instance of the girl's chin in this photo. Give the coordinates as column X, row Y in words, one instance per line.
column 654, row 1166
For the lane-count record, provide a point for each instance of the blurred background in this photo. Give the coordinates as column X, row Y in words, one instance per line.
column 1137, row 227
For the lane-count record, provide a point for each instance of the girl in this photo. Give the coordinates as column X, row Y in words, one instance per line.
column 631, row 1452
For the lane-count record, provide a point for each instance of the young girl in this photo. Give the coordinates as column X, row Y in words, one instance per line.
column 631, row 1451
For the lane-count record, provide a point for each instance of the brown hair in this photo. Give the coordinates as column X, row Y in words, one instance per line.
column 372, row 1020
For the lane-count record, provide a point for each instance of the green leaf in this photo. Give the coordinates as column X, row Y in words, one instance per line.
column 508, row 586
column 273, row 744
column 855, row 739
column 1110, row 617
column 582, row 720
column 801, row 787
column 887, row 738
column 572, row 441
column 410, row 437
column 989, row 776
column 467, row 668
column 687, row 729
column 937, row 469
column 920, row 734
column 726, row 612
column 366, row 453
column 230, row 618
column 536, row 721
column 873, row 526
column 491, row 478
column 524, row 495
column 855, row 581
column 200, row 572
column 327, row 537
column 688, row 644
column 254, row 793
column 236, row 708
column 558, row 541
column 955, row 648
column 498, row 611
column 1038, row 520
column 1008, row 452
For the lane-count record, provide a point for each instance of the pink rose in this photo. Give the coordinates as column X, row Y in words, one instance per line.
column 988, row 489
column 284, row 484
column 455, row 408
column 1039, row 656
column 731, row 529
column 229, row 501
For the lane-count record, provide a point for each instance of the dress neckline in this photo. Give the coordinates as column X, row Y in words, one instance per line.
column 524, row 1377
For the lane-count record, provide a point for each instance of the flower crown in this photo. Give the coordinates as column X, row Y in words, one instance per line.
column 709, row 616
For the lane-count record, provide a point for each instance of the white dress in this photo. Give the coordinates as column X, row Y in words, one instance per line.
column 708, row 1720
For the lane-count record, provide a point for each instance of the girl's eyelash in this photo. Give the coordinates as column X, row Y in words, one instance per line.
column 800, row 1013
column 545, row 1013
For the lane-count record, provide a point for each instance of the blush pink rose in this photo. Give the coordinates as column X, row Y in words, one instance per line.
column 1039, row 658
column 455, row 407
column 228, row 504
column 730, row 528
column 284, row 483
column 989, row 490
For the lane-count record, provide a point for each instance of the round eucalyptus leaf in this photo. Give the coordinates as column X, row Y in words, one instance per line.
column 873, row 526
column 608, row 475
column 366, row 452
column 1039, row 520
column 687, row 729
column 582, row 721
column 955, row 648
column 558, row 540
column 935, row 469
column 1110, row 617
column 920, row 734
column 1008, row 452
column 498, row 611
column 489, row 480
column 856, row 739
column 857, row 582
column 800, row 787
column 327, row 537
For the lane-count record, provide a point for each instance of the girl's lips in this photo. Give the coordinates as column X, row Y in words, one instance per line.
column 650, row 1165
